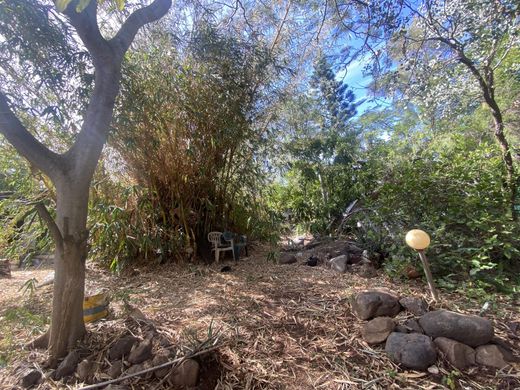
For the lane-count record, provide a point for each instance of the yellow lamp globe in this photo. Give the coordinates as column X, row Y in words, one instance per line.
column 417, row 239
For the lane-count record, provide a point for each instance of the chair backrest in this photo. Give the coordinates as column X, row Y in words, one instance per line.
column 228, row 236
column 214, row 238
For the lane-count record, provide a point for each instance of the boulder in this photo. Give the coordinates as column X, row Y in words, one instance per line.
column 142, row 352
column 287, row 258
column 416, row 306
column 67, row 366
column 339, row 264
column 31, row 378
column 490, row 355
column 187, row 374
column 458, row 354
column 412, row 350
column 377, row 330
column 468, row 329
column 122, row 347
column 374, row 303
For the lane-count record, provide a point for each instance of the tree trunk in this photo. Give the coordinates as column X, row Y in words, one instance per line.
column 67, row 326
column 72, row 172
column 324, row 193
column 506, row 156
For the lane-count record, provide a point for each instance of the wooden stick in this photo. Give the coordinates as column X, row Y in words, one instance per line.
column 171, row 362
column 429, row 277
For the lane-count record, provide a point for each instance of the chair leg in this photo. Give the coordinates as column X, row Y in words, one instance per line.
column 217, row 255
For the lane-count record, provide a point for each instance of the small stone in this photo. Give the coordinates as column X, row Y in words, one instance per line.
column 377, row 330
column 413, row 326
column 116, row 369
column 160, row 358
column 374, row 303
column 490, row 355
column 416, row 306
column 514, row 326
column 84, row 370
column 5, row 268
column 412, row 272
column 366, row 271
column 312, row 261
column 187, row 374
column 468, row 329
column 287, row 258
column 137, row 314
column 31, row 379
column 365, row 257
column 142, row 352
column 409, row 326
column 339, row 263
column 67, row 366
column 433, row 370
column 401, row 329
column 412, row 350
column 506, row 349
column 121, row 347
column 354, row 258
column 458, row 354
column 115, row 386
column 134, row 369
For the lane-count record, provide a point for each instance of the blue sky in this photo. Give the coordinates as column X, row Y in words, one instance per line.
column 359, row 83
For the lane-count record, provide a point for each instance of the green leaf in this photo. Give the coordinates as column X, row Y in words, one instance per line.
column 61, row 4
column 82, row 4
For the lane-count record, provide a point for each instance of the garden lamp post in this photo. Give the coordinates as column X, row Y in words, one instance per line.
column 419, row 240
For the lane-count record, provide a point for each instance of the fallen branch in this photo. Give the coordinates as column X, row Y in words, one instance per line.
column 170, row 363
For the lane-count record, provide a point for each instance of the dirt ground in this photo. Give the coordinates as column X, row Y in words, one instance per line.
column 280, row 326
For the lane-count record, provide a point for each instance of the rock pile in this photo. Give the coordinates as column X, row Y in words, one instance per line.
column 126, row 354
column 340, row 256
column 464, row 340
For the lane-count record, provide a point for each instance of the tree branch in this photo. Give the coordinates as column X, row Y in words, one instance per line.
column 126, row 34
column 49, row 221
column 85, row 23
column 24, row 142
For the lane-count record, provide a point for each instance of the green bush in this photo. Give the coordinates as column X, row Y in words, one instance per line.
column 453, row 190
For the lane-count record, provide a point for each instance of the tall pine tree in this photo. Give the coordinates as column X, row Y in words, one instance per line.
column 337, row 106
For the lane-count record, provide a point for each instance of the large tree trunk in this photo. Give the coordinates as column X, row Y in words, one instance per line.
column 67, row 325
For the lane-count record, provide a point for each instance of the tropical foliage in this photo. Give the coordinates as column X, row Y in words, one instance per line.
column 252, row 121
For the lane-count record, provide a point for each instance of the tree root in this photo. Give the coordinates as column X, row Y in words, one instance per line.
column 41, row 342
